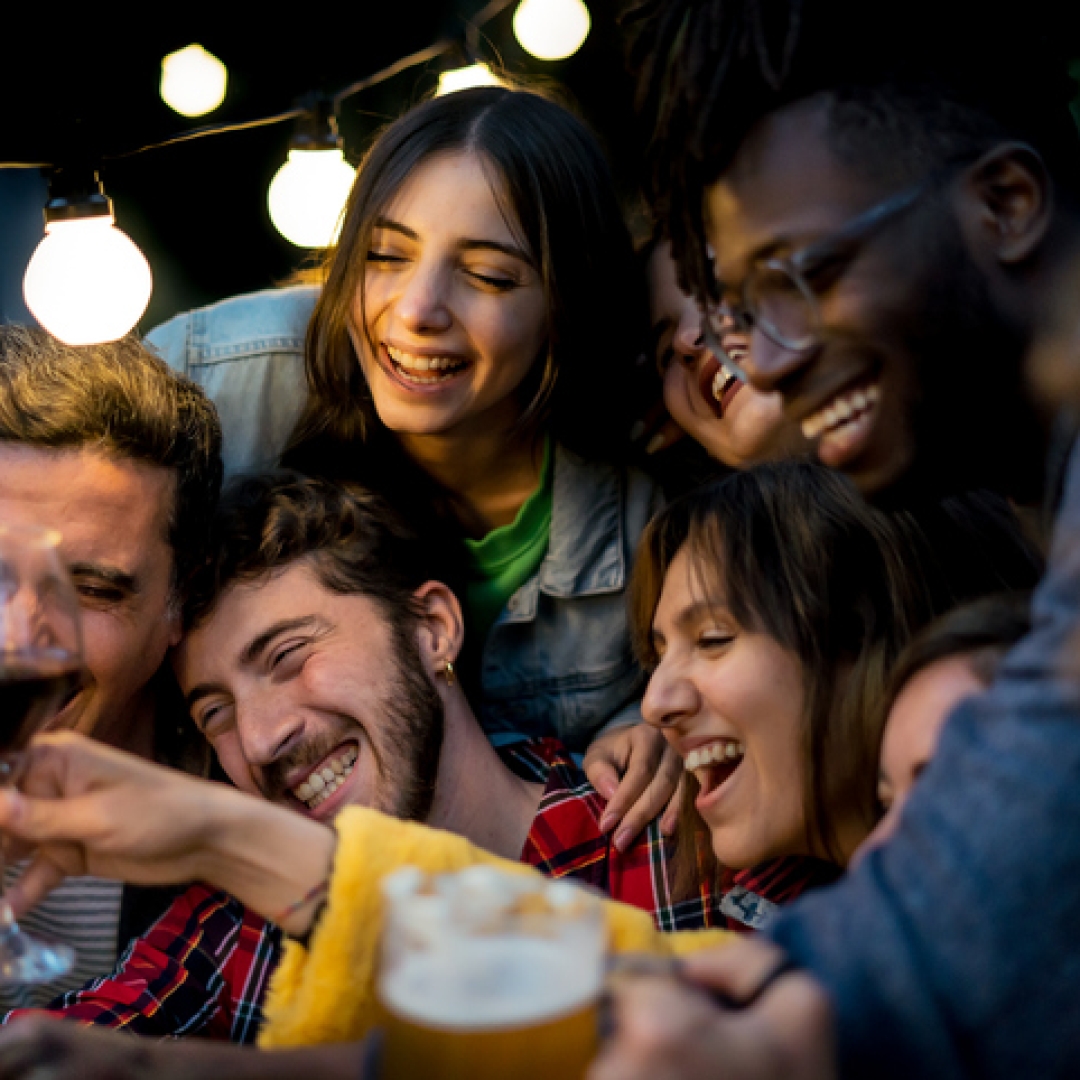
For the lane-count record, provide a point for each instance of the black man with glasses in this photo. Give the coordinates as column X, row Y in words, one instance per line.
column 894, row 226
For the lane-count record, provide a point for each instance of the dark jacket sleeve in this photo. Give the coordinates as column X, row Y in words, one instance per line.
column 954, row 950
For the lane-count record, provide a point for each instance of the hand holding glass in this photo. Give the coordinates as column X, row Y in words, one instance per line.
column 40, row 672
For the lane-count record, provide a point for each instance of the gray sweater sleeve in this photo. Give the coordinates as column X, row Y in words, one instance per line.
column 955, row 949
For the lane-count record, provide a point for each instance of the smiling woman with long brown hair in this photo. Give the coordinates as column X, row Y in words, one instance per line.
column 771, row 607
column 469, row 354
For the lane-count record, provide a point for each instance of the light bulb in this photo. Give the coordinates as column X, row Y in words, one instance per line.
column 466, row 77
column 551, row 29
column 87, row 282
column 307, row 196
column 193, row 81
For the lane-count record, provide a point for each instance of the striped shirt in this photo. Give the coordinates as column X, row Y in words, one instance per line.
column 205, row 966
column 83, row 912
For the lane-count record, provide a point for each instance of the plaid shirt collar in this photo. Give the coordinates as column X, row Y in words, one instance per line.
column 566, row 841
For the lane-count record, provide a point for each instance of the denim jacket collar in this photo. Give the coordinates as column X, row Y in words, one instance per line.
column 586, row 547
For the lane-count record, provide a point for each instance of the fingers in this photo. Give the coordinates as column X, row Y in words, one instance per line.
column 669, row 434
column 739, row 970
column 605, row 761
column 37, row 821
column 36, row 882
column 654, row 799
column 604, row 777
column 634, row 753
column 670, row 821
column 663, row 1031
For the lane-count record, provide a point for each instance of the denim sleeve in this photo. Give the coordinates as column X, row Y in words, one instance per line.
column 955, row 949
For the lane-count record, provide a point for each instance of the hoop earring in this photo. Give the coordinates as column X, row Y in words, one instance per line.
column 449, row 673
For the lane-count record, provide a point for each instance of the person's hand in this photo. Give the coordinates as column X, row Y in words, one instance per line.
column 656, row 430
column 43, row 1047
column 669, row 1029
column 640, row 776
column 90, row 809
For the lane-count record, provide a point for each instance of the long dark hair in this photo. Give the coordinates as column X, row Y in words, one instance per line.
column 798, row 555
column 558, row 193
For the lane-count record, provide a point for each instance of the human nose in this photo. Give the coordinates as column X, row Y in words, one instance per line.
column 422, row 304
column 769, row 366
column 269, row 725
column 688, row 341
column 670, row 696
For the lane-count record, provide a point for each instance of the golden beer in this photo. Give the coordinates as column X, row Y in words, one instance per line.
column 545, row 1051
column 488, row 980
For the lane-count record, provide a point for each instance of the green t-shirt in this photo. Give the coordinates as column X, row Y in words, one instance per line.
column 500, row 563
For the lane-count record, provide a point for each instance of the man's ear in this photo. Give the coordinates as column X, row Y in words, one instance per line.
column 441, row 626
column 1007, row 203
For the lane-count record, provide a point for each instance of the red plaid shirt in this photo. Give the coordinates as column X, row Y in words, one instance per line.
column 566, row 841
column 204, row 967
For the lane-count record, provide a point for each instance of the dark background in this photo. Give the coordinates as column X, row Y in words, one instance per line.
column 198, row 210
column 83, row 76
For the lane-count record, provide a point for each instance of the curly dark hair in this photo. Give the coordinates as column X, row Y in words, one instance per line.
column 356, row 541
column 909, row 85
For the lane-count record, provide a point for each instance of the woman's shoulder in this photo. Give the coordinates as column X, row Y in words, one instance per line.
column 584, row 484
column 237, row 327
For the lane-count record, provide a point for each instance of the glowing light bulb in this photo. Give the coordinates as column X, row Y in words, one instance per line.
column 193, row 81
column 466, row 77
column 551, row 29
column 87, row 282
column 307, row 196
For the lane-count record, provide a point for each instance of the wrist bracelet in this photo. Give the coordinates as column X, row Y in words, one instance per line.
column 317, row 892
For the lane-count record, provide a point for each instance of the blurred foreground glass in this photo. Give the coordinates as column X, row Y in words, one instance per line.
column 40, row 673
column 487, row 975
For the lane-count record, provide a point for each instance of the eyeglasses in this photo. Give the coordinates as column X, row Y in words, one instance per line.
column 777, row 295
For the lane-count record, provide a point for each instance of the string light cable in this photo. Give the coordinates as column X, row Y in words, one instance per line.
column 98, row 288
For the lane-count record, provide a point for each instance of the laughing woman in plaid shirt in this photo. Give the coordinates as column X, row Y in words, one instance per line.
column 770, row 606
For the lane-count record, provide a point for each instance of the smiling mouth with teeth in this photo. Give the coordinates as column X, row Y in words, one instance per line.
column 842, row 410
column 724, row 386
column 424, row 370
column 714, row 763
column 321, row 783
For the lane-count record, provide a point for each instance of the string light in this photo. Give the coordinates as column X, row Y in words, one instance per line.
column 465, row 77
column 551, row 29
column 86, row 282
column 193, row 81
column 308, row 193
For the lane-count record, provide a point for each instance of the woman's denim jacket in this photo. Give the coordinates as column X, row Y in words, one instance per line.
column 558, row 659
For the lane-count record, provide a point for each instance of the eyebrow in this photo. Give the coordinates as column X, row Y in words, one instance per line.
column 466, row 245
column 251, row 653
column 692, row 612
column 687, row 617
column 119, row 579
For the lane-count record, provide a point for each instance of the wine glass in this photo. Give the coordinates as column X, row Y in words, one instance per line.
column 41, row 665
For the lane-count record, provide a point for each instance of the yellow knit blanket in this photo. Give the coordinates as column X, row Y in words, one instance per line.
column 326, row 992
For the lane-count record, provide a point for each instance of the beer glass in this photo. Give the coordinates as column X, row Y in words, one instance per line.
column 41, row 667
column 487, row 975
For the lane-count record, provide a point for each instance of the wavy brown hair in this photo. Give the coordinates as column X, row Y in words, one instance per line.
column 797, row 554
column 556, row 190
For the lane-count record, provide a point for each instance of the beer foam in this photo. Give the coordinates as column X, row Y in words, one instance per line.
column 501, row 981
